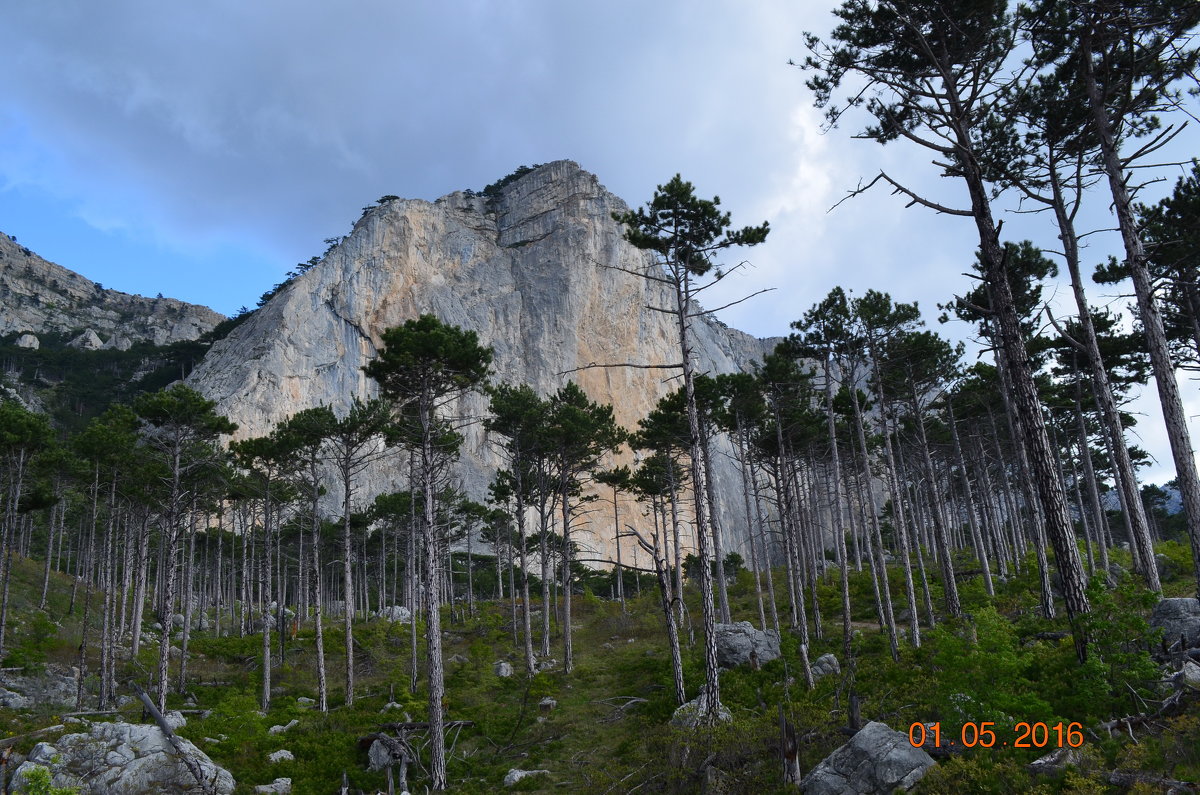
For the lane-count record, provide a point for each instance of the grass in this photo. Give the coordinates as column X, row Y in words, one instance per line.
column 987, row 662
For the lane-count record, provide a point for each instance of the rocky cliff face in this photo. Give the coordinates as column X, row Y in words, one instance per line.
column 526, row 271
column 37, row 297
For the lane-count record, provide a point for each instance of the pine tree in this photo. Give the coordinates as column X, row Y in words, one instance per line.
column 423, row 366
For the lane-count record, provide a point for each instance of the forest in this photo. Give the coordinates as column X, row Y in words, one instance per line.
column 967, row 538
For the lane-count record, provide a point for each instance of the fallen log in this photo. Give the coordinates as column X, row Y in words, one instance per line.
column 9, row 741
column 169, row 733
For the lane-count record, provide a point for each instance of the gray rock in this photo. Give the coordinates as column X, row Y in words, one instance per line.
column 28, row 341
column 397, row 614
column 293, row 723
column 129, row 758
column 56, row 685
column 175, row 719
column 118, row 342
column 876, row 759
column 515, row 775
column 62, row 301
column 10, row 699
column 547, row 704
column 736, row 642
column 1179, row 616
column 503, row 669
column 458, row 659
column 280, row 786
column 282, row 755
column 825, row 665
column 1056, row 761
column 548, row 664
column 1191, row 674
column 1166, row 569
column 89, row 340
column 305, row 701
column 690, row 715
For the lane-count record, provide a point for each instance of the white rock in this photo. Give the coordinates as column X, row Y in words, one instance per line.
column 280, row 786
column 28, row 341
column 397, row 614
column 1191, row 674
column 175, row 719
column 87, row 341
column 547, row 704
column 127, row 758
column 305, row 701
column 282, row 755
column 503, row 669
column 515, row 775
column 281, row 729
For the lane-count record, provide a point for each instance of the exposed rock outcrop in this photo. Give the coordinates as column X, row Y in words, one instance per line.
column 691, row 714
column 532, row 271
column 736, row 642
column 1176, row 617
column 40, row 296
column 876, row 760
column 130, row 758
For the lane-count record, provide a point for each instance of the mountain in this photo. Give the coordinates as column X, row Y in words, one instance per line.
column 524, row 267
column 40, row 297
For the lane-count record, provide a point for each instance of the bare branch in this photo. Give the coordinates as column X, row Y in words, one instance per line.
column 594, row 365
column 732, row 303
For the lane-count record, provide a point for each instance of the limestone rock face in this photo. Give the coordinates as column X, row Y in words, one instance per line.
column 736, row 642
column 526, row 271
column 40, row 296
column 876, row 759
column 28, row 341
column 128, row 758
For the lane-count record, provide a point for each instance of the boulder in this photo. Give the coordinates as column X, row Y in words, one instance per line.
column 503, row 669
column 89, row 340
column 305, row 701
column 516, row 775
column 280, row 786
column 876, row 759
column 282, row 755
column 1166, row 569
column 28, row 341
column 1179, row 616
column 118, row 342
column 548, row 664
column 175, row 719
column 825, row 665
column 130, row 758
column 736, row 642
column 690, row 715
column 281, row 729
column 1056, row 761
column 547, row 704
column 397, row 614
column 1191, row 674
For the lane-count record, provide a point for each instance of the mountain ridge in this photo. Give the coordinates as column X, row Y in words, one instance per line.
column 523, row 268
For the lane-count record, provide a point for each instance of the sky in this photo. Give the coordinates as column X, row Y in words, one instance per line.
column 202, row 150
